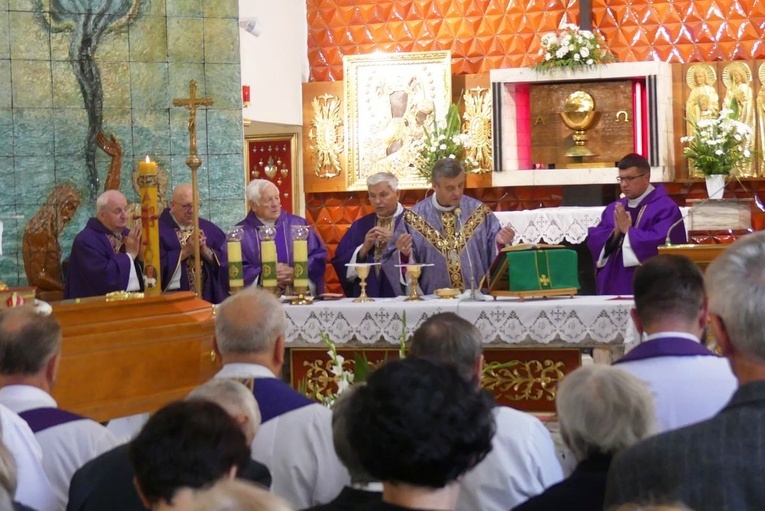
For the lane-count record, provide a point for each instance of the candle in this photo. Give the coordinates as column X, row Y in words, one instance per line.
column 147, row 181
column 268, row 263
column 235, row 274
column 300, row 258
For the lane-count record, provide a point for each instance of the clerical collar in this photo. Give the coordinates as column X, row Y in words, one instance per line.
column 633, row 203
column 180, row 226
column 659, row 335
column 399, row 210
column 374, row 487
column 267, row 223
column 439, row 207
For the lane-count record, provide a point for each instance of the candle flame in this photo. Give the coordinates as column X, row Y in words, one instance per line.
column 147, row 159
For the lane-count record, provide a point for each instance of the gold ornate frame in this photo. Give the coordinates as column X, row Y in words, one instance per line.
column 298, row 206
column 388, row 98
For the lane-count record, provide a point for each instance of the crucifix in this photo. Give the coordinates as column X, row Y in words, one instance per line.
column 193, row 161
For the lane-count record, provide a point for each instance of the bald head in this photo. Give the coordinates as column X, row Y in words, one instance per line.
column 111, row 210
column 182, row 204
column 249, row 323
column 28, row 341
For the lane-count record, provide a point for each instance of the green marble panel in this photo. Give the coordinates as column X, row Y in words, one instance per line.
column 185, row 39
column 8, row 176
column 221, row 41
column 27, row 37
column 119, row 122
column 148, row 39
column 151, row 132
column 71, row 169
column 33, row 131
column 224, row 132
column 70, row 129
column 31, row 84
column 223, row 85
column 227, row 213
column 12, row 232
column 115, row 46
column 9, row 268
column 6, row 97
column 149, row 85
column 66, row 91
column 181, row 73
column 6, row 132
column 60, row 43
column 5, row 40
column 115, row 82
column 154, row 8
column 34, row 173
column 179, row 132
column 3, row 5
column 184, row 8
column 221, row 9
column 21, row 5
column 227, row 176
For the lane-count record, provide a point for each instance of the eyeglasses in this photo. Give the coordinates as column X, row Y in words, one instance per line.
column 189, row 207
column 629, row 179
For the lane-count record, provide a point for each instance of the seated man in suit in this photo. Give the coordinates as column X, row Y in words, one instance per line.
column 718, row 463
column 690, row 383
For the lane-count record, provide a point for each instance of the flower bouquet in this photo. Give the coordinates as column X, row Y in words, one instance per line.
column 443, row 140
column 572, row 47
column 718, row 145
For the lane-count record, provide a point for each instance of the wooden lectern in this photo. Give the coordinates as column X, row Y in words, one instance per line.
column 702, row 255
column 132, row 356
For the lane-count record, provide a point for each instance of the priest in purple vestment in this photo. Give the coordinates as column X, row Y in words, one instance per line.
column 266, row 209
column 366, row 240
column 632, row 228
column 105, row 255
column 459, row 235
column 176, row 249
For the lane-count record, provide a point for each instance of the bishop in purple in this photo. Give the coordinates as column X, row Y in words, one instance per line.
column 366, row 240
column 632, row 228
column 176, row 249
column 266, row 209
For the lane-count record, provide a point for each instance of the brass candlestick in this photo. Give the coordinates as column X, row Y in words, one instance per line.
column 414, row 271
column 362, row 270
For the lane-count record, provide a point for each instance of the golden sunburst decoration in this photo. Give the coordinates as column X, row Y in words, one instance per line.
column 476, row 123
column 326, row 136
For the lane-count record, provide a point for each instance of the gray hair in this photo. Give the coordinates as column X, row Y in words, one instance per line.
column 603, row 409
column 238, row 495
column 233, row 397
column 735, row 283
column 28, row 340
column 103, row 200
column 383, row 177
column 446, row 167
column 255, row 188
column 446, row 338
column 345, row 452
column 249, row 322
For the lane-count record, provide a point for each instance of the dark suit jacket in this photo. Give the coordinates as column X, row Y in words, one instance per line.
column 715, row 465
column 106, row 482
column 583, row 490
column 350, row 499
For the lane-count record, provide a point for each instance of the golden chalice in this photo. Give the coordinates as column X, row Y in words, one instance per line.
column 579, row 115
column 414, row 271
column 362, row 270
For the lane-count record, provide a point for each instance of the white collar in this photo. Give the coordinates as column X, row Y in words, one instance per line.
column 268, row 223
column 376, row 486
column 658, row 335
column 181, row 227
column 439, row 207
column 399, row 210
column 21, row 398
column 633, row 203
column 244, row 370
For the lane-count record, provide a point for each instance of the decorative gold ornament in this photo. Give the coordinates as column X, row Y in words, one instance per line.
column 326, row 136
column 476, row 123
column 533, row 380
column 579, row 115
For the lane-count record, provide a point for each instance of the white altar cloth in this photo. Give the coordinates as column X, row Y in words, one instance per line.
column 582, row 321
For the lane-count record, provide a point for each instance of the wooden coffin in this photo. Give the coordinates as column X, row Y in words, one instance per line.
column 132, row 356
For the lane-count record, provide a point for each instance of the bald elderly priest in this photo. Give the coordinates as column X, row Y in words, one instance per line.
column 105, row 255
column 367, row 238
column 176, row 248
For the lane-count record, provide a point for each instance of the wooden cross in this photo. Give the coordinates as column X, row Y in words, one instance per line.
column 192, row 102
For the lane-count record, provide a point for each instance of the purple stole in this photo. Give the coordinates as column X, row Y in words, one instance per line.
column 667, row 347
column 40, row 419
column 274, row 397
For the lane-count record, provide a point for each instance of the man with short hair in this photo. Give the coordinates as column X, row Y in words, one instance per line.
column 106, row 254
column 176, row 249
column 295, row 439
column 632, row 228
column 456, row 234
column 522, row 462
column 30, row 353
column 690, row 383
column 718, row 463
column 365, row 241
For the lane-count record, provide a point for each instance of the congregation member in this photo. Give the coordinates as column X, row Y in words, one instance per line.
column 718, row 463
column 105, row 254
column 176, row 249
column 457, row 234
column 522, row 462
column 418, row 427
column 690, row 383
column 632, row 228
column 266, row 210
column 364, row 488
column 183, row 448
column 107, row 481
column 238, row 495
column 365, row 241
column 295, row 438
column 601, row 411
column 30, row 354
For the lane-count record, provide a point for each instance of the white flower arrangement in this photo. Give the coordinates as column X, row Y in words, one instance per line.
column 443, row 140
column 572, row 47
column 719, row 144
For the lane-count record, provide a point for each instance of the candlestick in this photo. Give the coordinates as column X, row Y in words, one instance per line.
column 268, row 257
column 234, row 249
column 147, row 182
column 300, row 262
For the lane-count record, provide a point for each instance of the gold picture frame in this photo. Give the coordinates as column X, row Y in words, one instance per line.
column 291, row 193
column 389, row 98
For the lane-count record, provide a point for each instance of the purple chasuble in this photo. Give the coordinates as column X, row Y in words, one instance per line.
column 651, row 220
column 94, row 267
column 458, row 248
column 385, row 284
column 667, row 347
column 215, row 281
column 40, row 419
column 276, row 398
column 317, row 252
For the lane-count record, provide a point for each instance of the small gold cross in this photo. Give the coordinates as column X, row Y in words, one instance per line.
column 544, row 281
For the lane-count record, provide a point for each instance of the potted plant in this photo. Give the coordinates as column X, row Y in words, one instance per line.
column 717, row 146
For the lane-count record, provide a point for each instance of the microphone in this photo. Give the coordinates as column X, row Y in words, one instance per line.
column 458, row 213
column 667, row 241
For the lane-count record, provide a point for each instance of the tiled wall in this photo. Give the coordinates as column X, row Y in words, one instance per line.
column 146, row 58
